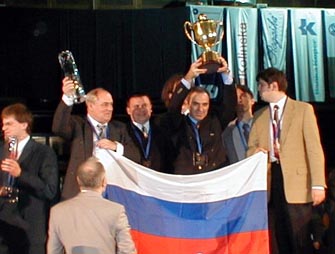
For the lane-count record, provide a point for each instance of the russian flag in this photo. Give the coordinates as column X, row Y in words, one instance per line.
column 221, row 212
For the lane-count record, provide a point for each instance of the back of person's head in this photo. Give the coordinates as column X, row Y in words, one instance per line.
column 245, row 89
column 91, row 174
column 21, row 114
column 272, row 74
column 169, row 88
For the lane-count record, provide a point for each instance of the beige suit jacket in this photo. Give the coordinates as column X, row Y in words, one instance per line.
column 301, row 153
column 89, row 222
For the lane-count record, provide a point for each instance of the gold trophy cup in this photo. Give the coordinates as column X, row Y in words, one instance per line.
column 206, row 33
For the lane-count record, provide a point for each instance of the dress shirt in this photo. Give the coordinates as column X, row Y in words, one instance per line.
column 227, row 79
column 146, row 125
column 94, row 123
column 21, row 145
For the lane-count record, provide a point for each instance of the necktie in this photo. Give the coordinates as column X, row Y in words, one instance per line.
column 276, row 127
column 101, row 131
column 246, row 130
column 145, row 132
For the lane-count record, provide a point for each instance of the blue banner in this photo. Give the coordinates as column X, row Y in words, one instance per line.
column 330, row 44
column 274, row 36
column 242, row 45
column 307, row 45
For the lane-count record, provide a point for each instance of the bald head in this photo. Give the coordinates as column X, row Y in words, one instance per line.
column 91, row 175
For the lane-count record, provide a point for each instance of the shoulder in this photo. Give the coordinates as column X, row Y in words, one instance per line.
column 261, row 112
column 117, row 124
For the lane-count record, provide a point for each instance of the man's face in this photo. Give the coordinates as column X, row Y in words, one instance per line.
column 139, row 109
column 244, row 101
column 199, row 105
column 265, row 90
column 102, row 109
column 12, row 128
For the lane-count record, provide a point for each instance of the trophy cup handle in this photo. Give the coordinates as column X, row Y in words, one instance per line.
column 187, row 28
column 222, row 33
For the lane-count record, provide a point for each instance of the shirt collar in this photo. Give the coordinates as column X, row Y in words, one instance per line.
column 146, row 125
column 94, row 122
column 21, row 145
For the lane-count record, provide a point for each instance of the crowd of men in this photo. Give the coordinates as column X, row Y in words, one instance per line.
column 198, row 133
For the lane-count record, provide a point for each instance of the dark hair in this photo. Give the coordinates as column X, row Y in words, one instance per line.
column 273, row 75
column 21, row 114
column 137, row 95
column 245, row 89
column 169, row 88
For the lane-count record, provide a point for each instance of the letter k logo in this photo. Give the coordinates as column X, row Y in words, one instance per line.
column 305, row 28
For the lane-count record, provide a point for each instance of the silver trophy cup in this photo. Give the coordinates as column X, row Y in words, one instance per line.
column 69, row 67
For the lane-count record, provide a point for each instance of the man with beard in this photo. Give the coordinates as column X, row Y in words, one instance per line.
column 235, row 136
column 94, row 131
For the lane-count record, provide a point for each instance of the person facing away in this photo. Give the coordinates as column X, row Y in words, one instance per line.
column 287, row 130
column 149, row 147
column 235, row 136
column 196, row 137
column 96, row 130
column 32, row 170
column 88, row 223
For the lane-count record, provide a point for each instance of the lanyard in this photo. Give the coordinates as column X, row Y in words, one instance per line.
column 95, row 131
column 145, row 148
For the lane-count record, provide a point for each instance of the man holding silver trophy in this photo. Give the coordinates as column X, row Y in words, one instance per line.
column 94, row 131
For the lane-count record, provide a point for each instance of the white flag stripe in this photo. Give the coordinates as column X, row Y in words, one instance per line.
column 232, row 181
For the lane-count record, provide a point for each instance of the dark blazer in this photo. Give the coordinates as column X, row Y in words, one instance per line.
column 78, row 131
column 160, row 153
column 184, row 139
column 38, row 187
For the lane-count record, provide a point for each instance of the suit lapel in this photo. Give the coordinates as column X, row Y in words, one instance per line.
column 27, row 150
column 287, row 120
column 88, row 139
column 238, row 143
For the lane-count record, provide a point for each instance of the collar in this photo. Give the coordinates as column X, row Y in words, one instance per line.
column 280, row 103
column 95, row 122
column 21, row 145
column 146, row 125
column 194, row 121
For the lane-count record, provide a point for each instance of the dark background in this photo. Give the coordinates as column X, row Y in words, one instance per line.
column 121, row 50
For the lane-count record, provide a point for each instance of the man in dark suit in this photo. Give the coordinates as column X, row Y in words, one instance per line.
column 33, row 173
column 287, row 130
column 150, row 146
column 88, row 223
column 88, row 133
column 197, row 136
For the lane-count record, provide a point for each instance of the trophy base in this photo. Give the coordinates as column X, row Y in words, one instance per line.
column 211, row 61
column 211, row 67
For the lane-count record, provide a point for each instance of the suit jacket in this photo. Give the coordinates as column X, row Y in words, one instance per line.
column 233, row 143
column 89, row 221
column 160, row 153
column 301, row 154
column 184, row 139
column 38, row 187
column 78, row 130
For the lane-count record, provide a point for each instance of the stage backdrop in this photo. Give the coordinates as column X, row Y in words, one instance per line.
column 223, row 211
column 290, row 39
